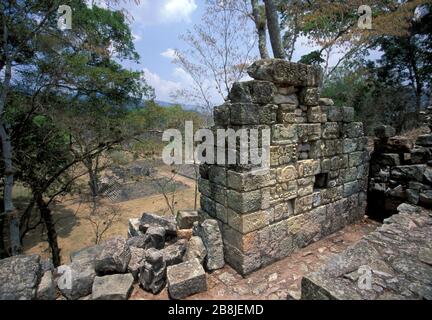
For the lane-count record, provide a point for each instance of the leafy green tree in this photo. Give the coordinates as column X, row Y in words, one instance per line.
column 72, row 80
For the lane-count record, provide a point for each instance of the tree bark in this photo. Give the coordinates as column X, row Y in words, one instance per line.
column 274, row 29
column 51, row 231
column 261, row 27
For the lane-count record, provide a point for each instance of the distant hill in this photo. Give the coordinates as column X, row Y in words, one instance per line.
column 170, row 104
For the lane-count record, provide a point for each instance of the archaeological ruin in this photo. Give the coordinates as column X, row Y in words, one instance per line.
column 317, row 182
column 318, row 186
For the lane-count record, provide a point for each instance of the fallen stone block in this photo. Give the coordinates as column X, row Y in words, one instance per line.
column 195, row 250
column 76, row 280
column 114, row 287
column 153, row 220
column 186, row 219
column 153, row 273
column 173, row 254
column 114, row 258
column 136, row 262
column 211, row 236
column 19, row 277
column 46, row 289
column 133, row 230
column 186, row 279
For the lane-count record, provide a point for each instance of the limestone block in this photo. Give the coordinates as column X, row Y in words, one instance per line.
column 186, row 279
column 307, row 168
column 221, row 115
column 251, row 114
column 281, row 71
column 334, row 114
column 310, row 96
column 284, row 134
column 348, row 114
column 246, row 223
column 286, row 174
column 186, row 218
column 303, row 204
column 309, row 132
column 260, row 92
column 314, row 114
column 353, row 130
column 280, row 155
column 244, row 202
column 331, row 130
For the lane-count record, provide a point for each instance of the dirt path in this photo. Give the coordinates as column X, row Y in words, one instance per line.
column 75, row 232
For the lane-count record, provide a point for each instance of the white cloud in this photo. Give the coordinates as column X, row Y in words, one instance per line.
column 163, row 88
column 170, row 54
column 178, row 10
column 151, row 12
column 183, row 76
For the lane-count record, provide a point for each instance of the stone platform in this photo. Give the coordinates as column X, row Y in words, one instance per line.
column 397, row 258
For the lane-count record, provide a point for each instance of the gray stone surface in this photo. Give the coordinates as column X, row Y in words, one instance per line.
column 187, row 218
column 47, row 288
column 153, row 220
column 133, row 228
column 76, row 280
column 136, row 262
column 19, row 277
column 153, row 273
column 174, row 253
column 284, row 72
column 186, row 279
column 113, row 287
column 397, row 255
column 195, row 250
column 211, row 236
column 114, row 258
column 318, row 164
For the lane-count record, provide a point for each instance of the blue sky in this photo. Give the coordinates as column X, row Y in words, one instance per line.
column 157, row 26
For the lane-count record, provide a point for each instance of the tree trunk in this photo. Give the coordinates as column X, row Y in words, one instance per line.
column 51, row 232
column 93, row 177
column 261, row 27
column 274, row 29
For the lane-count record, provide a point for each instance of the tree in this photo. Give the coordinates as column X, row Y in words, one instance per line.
column 333, row 26
column 260, row 20
column 274, row 29
column 21, row 21
column 219, row 50
column 84, row 113
column 407, row 59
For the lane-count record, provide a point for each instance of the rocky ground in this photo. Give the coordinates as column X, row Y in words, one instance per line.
column 282, row 279
column 392, row 263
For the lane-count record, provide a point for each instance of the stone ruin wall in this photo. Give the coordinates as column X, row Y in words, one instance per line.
column 400, row 171
column 318, row 178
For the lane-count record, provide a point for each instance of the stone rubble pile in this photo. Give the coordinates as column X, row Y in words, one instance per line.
column 153, row 256
column 318, row 178
column 400, row 171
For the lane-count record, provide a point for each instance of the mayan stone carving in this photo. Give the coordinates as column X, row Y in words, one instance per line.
column 318, row 174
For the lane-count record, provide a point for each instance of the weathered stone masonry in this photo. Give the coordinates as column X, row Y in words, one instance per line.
column 319, row 167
